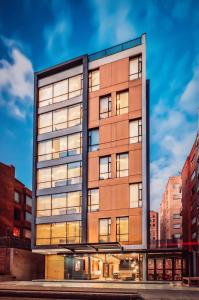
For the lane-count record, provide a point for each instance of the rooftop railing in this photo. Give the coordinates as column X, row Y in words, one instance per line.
column 115, row 49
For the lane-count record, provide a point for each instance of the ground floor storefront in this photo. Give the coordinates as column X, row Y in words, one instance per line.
column 117, row 266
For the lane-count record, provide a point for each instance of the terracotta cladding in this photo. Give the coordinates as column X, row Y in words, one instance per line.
column 113, row 139
column 9, row 184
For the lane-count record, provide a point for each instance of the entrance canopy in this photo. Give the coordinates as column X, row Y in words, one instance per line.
column 93, row 247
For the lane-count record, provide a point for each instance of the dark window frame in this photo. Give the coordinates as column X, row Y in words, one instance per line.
column 139, row 72
column 107, row 236
column 108, row 113
column 90, row 205
column 119, row 171
column 118, row 234
column 93, row 147
column 108, row 168
column 118, row 109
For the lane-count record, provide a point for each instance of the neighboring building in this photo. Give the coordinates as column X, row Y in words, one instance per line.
column 16, row 206
column 170, row 214
column 16, row 259
column 90, row 177
column 190, row 205
column 154, row 224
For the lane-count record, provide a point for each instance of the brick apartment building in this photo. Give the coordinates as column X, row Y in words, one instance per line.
column 190, row 205
column 170, row 213
column 16, row 259
column 154, row 228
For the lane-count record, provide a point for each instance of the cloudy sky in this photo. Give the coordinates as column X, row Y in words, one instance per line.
column 37, row 34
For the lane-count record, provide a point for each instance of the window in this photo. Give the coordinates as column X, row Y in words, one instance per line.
column 122, row 164
column 176, row 216
column 60, row 91
column 193, row 175
column 94, row 139
column 194, row 235
column 135, row 195
column 66, row 174
column 104, row 230
column 93, row 199
column 122, row 102
column 28, row 217
column 176, row 197
column 17, row 214
column 17, row 197
column 105, row 107
column 176, row 226
column 58, row 233
column 59, row 119
column 60, row 147
column 177, row 235
column 135, row 131
column 105, row 167
column 59, row 204
column 28, row 201
column 94, row 80
column 16, row 232
column 27, row 233
column 122, row 229
column 135, row 67
column 193, row 220
column 176, row 186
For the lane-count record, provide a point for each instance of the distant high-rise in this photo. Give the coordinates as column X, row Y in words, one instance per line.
column 170, row 213
column 154, row 230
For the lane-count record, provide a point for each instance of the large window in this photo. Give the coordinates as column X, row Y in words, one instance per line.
column 59, row 119
column 105, row 107
column 105, row 167
column 59, row 204
column 60, row 147
column 176, row 226
column 59, row 176
column 94, row 139
column 135, row 131
column 176, row 216
column 122, row 99
column 93, row 199
column 60, row 91
column 94, row 80
column 136, row 195
column 122, row 229
column 58, row 233
column 104, row 230
column 28, row 217
column 135, row 71
column 122, row 164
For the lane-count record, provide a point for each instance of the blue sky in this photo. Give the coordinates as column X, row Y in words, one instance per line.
column 37, row 34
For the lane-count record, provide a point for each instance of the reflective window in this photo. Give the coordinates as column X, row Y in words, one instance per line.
column 45, row 123
column 135, row 71
column 135, row 131
column 122, row 164
column 136, row 195
column 27, row 233
column 17, row 197
column 60, row 147
column 58, row 233
column 28, row 217
column 60, row 91
column 28, row 201
column 122, row 99
column 93, row 199
column 59, row 119
column 94, row 80
column 104, row 230
column 122, row 229
column 105, row 107
column 66, row 174
column 93, row 139
column 59, row 204
column 105, row 167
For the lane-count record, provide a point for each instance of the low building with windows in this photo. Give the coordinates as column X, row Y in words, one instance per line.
column 170, row 214
column 91, row 158
column 16, row 259
column 190, row 206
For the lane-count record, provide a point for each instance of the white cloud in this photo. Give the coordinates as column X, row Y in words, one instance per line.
column 16, row 80
column 173, row 133
column 112, row 22
column 58, row 32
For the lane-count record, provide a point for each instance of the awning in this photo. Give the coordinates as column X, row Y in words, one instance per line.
column 93, row 247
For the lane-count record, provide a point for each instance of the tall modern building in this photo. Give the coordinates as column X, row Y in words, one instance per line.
column 170, row 213
column 190, row 206
column 90, row 179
